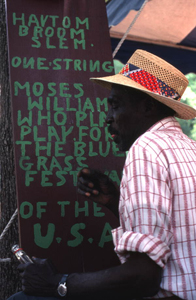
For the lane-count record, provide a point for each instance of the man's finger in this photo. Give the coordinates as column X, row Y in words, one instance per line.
column 84, row 171
column 81, row 192
column 85, row 182
column 38, row 260
column 22, row 267
column 88, row 188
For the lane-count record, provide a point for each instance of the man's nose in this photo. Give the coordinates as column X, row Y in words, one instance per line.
column 109, row 118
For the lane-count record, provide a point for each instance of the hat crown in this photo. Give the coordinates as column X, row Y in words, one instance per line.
column 160, row 69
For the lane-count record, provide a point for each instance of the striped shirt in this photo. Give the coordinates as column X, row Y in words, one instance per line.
column 157, row 206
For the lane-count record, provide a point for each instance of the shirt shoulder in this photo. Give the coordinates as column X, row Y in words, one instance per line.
column 164, row 135
column 161, row 142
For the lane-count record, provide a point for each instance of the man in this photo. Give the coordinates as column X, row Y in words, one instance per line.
column 155, row 241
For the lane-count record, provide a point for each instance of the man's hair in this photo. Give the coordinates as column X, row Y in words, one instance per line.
column 162, row 110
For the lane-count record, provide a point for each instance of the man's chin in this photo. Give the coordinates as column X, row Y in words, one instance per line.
column 122, row 144
column 121, row 147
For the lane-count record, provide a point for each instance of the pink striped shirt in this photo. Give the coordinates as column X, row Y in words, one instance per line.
column 158, row 206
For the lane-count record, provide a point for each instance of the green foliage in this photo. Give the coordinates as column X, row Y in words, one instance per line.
column 117, row 66
column 189, row 97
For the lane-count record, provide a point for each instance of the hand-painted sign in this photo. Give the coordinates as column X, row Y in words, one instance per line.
column 59, row 128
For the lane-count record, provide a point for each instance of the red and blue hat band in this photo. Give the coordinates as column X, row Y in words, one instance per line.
column 149, row 81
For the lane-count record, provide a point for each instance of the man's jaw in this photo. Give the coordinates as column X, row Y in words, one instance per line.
column 118, row 139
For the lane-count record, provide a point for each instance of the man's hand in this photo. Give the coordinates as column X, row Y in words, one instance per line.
column 39, row 278
column 98, row 187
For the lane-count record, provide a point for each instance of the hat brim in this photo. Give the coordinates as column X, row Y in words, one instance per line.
column 183, row 111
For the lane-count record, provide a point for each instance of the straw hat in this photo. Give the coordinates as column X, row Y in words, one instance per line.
column 154, row 76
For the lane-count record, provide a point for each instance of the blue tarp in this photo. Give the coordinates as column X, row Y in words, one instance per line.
column 117, row 10
column 183, row 58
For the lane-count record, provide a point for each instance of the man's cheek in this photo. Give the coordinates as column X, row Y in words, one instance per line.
column 123, row 125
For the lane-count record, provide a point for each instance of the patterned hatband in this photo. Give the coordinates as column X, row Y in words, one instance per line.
column 149, row 81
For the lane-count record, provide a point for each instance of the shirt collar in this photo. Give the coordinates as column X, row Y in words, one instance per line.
column 169, row 123
column 166, row 124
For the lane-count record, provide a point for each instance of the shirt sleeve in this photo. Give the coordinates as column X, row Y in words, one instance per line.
column 145, row 206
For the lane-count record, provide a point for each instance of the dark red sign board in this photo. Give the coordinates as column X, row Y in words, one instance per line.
column 59, row 128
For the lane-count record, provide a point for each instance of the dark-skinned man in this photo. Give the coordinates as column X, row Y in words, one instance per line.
column 155, row 240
